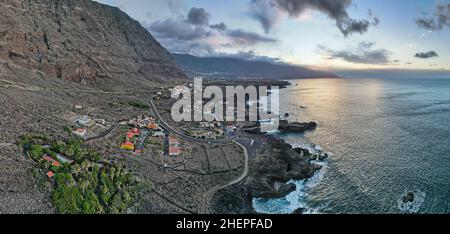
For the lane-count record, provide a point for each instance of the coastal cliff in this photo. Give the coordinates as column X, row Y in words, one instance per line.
column 81, row 41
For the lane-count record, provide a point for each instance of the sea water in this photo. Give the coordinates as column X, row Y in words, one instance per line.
column 386, row 137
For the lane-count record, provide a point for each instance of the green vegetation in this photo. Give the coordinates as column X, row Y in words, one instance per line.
column 139, row 104
column 88, row 185
column 89, row 189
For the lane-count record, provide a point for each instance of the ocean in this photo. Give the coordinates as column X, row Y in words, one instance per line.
column 385, row 136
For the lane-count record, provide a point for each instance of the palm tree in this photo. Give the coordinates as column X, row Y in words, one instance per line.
column 85, row 165
column 112, row 173
column 77, row 170
column 84, row 185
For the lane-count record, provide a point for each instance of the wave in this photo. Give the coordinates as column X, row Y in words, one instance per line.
column 412, row 207
column 298, row 198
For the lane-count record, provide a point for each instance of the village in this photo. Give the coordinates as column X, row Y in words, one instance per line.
column 138, row 132
column 90, row 144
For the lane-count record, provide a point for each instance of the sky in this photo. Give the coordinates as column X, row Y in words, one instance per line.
column 336, row 35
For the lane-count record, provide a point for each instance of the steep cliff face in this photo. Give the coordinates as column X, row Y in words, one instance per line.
column 81, row 41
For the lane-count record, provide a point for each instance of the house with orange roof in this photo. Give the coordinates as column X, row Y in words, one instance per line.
column 127, row 145
column 153, row 126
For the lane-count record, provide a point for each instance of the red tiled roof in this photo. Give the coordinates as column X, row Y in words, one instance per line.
column 54, row 162
column 130, row 135
column 50, row 174
column 48, row 158
column 174, row 150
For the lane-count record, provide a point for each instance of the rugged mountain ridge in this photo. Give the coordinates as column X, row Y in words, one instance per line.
column 81, row 41
column 228, row 67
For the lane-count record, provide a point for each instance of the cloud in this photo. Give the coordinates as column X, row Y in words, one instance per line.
column 375, row 20
column 194, row 34
column 198, row 16
column 248, row 38
column 175, row 5
column 250, row 55
column 266, row 12
column 427, row 23
column 363, row 54
column 219, row 27
column 179, row 29
column 440, row 19
column 426, row 55
column 269, row 12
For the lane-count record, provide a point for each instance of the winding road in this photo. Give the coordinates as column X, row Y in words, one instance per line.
column 103, row 134
column 165, row 125
column 210, row 192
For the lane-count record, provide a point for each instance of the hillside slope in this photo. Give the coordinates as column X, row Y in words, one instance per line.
column 81, row 41
column 239, row 68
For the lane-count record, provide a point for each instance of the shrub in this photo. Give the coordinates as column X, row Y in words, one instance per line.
column 139, row 105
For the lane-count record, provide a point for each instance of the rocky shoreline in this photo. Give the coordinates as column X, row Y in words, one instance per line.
column 284, row 127
column 270, row 173
column 296, row 127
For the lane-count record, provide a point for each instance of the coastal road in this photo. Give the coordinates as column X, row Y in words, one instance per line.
column 210, row 192
column 239, row 142
column 165, row 125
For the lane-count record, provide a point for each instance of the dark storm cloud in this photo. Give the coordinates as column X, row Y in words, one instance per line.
column 248, row 38
column 364, row 54
column 334, row 9
column 440, row 19
column 198, row 16
column 426, row 55
column 219, row 27
column 353, row 26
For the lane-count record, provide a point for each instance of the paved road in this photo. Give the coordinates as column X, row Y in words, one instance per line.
column 176, row 132
column 103, row 134
column 210, row 192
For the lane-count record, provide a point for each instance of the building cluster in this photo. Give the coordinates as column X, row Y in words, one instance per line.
column 140, row 129
column 85, row 123
column 208, row 130
column 54, row 163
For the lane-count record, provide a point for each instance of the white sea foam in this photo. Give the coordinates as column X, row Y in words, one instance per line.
column 296, row 199
column 412, row 207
